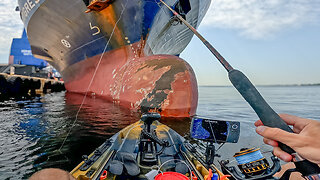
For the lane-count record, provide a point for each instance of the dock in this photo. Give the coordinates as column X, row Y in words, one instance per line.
column 18, row 86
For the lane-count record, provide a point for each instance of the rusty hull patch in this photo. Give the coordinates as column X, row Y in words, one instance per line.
column 155, row 99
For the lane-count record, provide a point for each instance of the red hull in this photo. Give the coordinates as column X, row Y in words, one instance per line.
column 162, row 82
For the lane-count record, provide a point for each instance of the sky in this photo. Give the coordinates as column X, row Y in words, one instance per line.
column 271, row 41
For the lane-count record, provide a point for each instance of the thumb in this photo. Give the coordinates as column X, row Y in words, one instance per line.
column 278, row 135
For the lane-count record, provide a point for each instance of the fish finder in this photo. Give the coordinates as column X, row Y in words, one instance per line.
column 216, row 131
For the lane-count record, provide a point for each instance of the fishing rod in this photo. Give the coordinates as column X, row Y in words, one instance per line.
column 248, row 91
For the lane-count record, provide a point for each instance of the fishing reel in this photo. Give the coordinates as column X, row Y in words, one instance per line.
column 252, row 165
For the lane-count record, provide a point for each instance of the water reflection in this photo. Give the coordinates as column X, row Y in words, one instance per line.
column 97, row 121
column 100, row 117
column 32, row 131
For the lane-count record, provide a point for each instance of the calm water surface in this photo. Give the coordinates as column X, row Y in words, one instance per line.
column 32, row 131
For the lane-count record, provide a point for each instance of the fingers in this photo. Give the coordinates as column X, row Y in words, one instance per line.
column 278, row 135
column 289, row 119
column 277, row 151
column 281, row 154
column 258, row 123
column 270, row 142
column 297, row 122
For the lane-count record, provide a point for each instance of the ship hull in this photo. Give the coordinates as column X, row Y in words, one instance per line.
column 164, row 83
column 126, row 53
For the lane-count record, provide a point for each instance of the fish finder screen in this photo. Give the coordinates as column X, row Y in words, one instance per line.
column 215, row 130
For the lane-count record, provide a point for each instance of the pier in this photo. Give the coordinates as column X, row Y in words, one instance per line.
column 18, row 86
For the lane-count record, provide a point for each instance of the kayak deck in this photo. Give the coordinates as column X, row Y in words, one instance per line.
column 128, row 155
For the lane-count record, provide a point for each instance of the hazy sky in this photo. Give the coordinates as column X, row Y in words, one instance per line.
column 272, row 41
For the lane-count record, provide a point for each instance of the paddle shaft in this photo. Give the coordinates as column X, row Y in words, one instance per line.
column 248, row 91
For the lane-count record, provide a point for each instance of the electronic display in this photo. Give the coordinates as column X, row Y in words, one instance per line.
column 215, row 130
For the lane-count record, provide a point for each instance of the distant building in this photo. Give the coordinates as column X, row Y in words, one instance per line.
column 21, row 53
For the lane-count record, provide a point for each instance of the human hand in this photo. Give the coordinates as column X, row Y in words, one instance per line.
column 305, row 140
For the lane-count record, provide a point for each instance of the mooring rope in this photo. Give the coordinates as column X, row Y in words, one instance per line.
column 93, row 76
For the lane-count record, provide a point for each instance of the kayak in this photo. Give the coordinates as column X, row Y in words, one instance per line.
column 150, row 150
column 140, row 151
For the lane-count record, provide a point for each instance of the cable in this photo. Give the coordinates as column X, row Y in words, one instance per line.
column 93, row 76
column 175, row 160
column 220, row 147
column 214, row 137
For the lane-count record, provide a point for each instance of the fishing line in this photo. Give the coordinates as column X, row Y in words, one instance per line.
column 93, row 76
column 261, row 153
column 248, row 156
column 250, row 93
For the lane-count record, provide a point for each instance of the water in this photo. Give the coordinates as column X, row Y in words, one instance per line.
column 32, row 131
column 225, row 103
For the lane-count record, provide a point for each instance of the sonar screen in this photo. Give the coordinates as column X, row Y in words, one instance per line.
column 215, row 130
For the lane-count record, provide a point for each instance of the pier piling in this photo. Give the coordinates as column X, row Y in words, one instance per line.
column 19, row 86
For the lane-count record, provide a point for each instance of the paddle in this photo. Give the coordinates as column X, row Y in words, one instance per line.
column 248, row 91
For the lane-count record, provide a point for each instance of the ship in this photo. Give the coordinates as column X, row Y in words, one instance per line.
column 125, row 51
column 21, row 54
